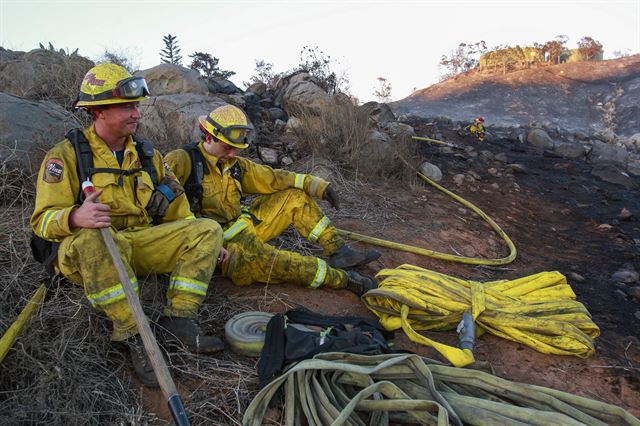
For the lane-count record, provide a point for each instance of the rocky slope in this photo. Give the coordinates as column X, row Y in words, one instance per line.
column 584, row 97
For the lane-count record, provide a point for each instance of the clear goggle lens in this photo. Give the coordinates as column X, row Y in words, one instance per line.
column 131, row 88
column 236, row 134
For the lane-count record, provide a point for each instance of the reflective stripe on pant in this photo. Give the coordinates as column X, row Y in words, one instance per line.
column 252, row 260
column 187, row 249
column 294, row 207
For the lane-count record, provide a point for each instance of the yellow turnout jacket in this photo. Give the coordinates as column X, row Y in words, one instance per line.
column 223, row 189
column 58, row 187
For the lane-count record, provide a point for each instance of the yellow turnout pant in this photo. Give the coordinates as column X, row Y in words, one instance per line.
column 187, row 249
column 251, row 259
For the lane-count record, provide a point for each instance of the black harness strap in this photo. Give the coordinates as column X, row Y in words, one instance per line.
column 45, row 251
column 85, row 167
column 193, row 186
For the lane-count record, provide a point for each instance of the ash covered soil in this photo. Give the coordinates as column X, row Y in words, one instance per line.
column 559, row 217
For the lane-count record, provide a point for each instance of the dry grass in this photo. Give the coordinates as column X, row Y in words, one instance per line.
column 57, row 76
column 342, row 133
column 63, row 369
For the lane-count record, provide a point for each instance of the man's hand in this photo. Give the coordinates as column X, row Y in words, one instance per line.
column 91, row 214
column 332, row 197
column 223, row 256
column 163, row 195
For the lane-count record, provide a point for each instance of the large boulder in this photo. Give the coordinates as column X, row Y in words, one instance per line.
column 220, row 85
column 259, row 88
column 570, row 149
column 379, row 113
column 399, row 131
column 43, row 74
column 604, row 153
column 302, row 94
column 30, row 127
column 170, row 79
column 378, row 148
column 170, row 121
column 614, row 174
column 540, row 139
column 605, row 135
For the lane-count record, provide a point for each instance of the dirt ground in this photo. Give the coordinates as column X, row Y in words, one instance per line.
column 552, row 213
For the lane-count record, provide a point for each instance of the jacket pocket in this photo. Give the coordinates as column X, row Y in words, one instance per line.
column 108, row 183
column 144, row 189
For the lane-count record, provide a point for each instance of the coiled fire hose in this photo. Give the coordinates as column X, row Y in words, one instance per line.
column 332, row 388
column 539, row 311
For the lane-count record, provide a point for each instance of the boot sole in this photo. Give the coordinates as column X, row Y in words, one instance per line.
column 362, row 262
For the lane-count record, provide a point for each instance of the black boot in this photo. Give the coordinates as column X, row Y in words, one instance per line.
column 141, row 362
column 360, row 284
column 346, row 257
column 186, row 331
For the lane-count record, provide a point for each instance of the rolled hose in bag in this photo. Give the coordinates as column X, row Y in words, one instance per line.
column 539, row 310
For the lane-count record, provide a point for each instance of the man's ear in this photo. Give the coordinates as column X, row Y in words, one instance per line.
column 95, row 111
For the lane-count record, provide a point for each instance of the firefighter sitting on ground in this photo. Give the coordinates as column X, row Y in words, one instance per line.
column 215, row 180
column 129, row 201
column 477, row 128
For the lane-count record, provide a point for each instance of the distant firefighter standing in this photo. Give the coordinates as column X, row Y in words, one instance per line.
column 477, row 128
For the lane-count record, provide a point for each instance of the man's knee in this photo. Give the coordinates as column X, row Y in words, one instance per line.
column 206, row 230
column 296, row 197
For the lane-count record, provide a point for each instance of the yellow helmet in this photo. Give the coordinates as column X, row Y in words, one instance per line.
column 229, row 124
column 107, row 84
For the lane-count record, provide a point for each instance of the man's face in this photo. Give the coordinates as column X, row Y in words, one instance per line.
column 219, row 149
column 120, row 119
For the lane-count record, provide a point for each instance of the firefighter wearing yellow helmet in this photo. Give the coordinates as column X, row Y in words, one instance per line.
column 215, row 180
column 477, row 128
column 136, row 191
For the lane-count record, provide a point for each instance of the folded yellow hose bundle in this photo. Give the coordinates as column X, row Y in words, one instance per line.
column 346, row 389
column 539, row 310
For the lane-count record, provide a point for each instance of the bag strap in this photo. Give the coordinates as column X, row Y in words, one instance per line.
column 84, row 157
column 193, row 186
column 145, row 154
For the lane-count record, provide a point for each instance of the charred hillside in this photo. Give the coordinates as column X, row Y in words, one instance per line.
column 584, row 97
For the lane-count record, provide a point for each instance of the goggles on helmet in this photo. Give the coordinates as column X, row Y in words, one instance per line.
column 129, row 88
column 240, row 134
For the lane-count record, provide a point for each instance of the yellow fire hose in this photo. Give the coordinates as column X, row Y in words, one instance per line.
column 12, row 333
column 539, row 311
column 438, row 255
column 333, row 388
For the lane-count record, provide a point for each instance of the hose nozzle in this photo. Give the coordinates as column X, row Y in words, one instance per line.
column 467, row 331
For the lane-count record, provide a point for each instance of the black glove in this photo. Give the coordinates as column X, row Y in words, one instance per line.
column 332, row 197
column 162, row 196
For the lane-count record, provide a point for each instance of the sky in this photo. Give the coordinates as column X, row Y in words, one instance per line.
column 402, row 41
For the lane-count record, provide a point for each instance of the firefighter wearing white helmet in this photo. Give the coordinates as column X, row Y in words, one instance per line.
column 215, row 180
column 136, row 190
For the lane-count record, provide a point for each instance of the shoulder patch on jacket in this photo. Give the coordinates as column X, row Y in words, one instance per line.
column 53, row 171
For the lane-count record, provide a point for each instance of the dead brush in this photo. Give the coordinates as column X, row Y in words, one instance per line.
column 64, row 369
column 337, row 132
column 343, row 133
column 58, row 76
